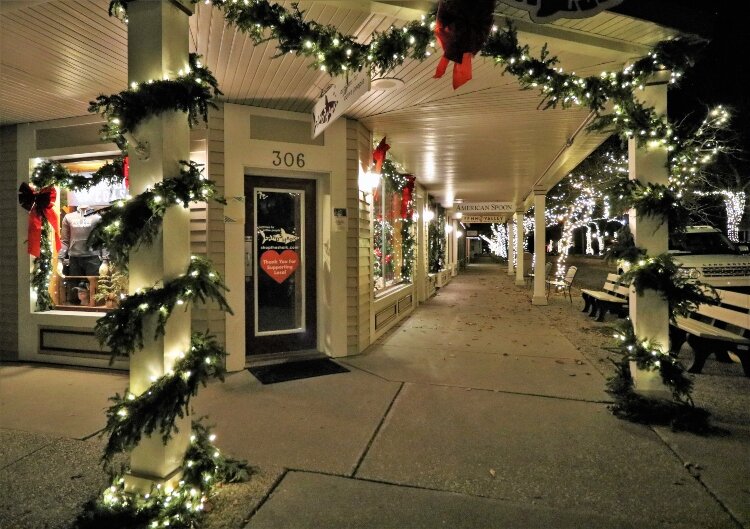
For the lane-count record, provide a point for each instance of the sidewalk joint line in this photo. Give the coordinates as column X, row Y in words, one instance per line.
column 28, row 455
column 697, row 478
column 377, row 430
column 266, row 497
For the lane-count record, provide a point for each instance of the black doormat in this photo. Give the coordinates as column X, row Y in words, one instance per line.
column 296, row 370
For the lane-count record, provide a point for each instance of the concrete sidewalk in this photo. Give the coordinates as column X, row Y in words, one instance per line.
column 479, row 411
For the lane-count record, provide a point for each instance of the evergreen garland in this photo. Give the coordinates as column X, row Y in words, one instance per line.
column 42, row 270
column 122, row 329
column 50, row 173
column 662, row 274
column 191, row 93
column 135, row 222
column 156, row 410
column 652, row 200
column 181, row 507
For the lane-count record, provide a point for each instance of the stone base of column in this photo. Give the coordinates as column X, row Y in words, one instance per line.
column 511, row 272
column 539, row 300
column 520, row 282
column 142, row 483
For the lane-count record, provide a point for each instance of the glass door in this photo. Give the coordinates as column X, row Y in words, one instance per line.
column 280, row 257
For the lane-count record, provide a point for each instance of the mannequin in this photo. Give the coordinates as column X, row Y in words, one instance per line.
column 75, row 254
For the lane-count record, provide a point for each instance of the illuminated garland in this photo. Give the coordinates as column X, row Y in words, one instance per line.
column 156, row 410
column 180, row 507
column 128, row 224
column 41, row 272
column 52, row 174
column 652, row 200
column 680, row 414
column 191, row 92
column 662, row 274
column 122, row 329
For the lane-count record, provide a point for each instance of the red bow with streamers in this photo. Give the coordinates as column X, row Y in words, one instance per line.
column 126, row 171
column 39, row 205
column 378, row 155
column 407, row 209
column 462, row 28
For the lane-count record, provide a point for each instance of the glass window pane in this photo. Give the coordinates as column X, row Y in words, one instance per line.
column 280, row 288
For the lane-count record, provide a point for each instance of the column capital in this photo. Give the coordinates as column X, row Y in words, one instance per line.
column 540, row 190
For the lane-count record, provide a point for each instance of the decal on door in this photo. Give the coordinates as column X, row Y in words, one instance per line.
column 279, row 265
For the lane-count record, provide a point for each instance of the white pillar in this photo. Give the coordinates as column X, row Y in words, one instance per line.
column 519, row 249
column 540, row 253
column 509, row 229
column 649, row 312
column 158, row 35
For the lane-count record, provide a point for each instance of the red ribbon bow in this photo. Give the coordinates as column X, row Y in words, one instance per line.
column 461, row 69
column 378, row 155
column 39, row 204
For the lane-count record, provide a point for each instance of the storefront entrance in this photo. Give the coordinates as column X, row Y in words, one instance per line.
column 280, row 265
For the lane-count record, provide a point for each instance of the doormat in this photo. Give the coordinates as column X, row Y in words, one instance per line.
column 296, row 370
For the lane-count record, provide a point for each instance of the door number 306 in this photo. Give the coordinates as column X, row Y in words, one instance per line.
column 289, row 159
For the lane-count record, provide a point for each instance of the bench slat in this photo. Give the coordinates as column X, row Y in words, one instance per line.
column 730, row 316
column 705, row 330
column 734, row 299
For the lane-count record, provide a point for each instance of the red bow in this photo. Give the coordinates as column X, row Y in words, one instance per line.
column 378, row 155
column 407, row 209
column 461, row 69
column 39, row 204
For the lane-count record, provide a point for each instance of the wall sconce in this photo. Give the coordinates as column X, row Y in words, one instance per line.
column 458, row 215
column 429, row 215
column 459, row 234
column 448, row 229
column 368, row 181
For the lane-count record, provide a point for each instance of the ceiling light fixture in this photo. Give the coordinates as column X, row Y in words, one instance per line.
column 386, row 84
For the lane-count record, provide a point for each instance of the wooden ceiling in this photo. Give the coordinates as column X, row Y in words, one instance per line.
column 485, row 141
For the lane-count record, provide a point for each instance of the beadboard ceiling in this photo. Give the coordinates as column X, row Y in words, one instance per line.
column 485, row 141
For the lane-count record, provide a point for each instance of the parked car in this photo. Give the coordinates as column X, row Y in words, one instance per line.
column 709, row 256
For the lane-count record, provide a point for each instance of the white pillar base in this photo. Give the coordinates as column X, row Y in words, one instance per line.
column 648, row 383
column 539, row 300
column 520, row 282
column 142, row 484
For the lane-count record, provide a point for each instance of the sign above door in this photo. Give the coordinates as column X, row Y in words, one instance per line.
column 341, row 94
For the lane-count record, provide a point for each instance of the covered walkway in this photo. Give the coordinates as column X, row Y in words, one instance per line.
column 480, row 410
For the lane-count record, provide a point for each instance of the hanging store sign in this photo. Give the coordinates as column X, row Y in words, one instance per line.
column 479, row 219
column 485, row 208
column 543, row 11
column 341, row 94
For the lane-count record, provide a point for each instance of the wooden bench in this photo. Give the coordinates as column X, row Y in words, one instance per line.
column 716, row 328
column 613, row 297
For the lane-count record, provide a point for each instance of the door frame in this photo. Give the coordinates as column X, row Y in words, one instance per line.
column 322, row 196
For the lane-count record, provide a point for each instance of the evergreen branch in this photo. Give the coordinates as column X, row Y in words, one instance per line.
column 129, row 224
column 131, row 417
column 192, row 92
column 50, row 173
column 122, row 329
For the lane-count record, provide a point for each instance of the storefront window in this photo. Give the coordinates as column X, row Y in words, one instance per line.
column 393, row 226
column 84, row 279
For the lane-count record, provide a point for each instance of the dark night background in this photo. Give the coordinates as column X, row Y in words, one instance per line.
column 722, row 73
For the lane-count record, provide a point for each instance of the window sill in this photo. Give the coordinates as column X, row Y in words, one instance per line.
column 392, row 291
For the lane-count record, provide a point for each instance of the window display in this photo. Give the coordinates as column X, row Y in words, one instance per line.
column 85, row 280
column 393, row 228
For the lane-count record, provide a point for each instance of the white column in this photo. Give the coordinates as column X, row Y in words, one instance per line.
column 540, row 253
column 158, row 35
column 649, row 312
column 509, row 229
column 519, row 249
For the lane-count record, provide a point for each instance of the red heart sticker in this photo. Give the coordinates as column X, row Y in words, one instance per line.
column 279, row 266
